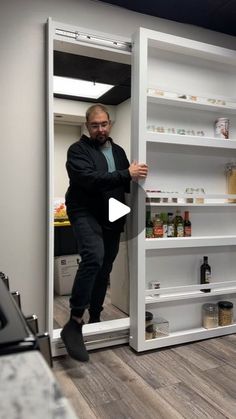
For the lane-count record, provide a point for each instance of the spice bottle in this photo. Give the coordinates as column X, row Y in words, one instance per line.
column 225, row 313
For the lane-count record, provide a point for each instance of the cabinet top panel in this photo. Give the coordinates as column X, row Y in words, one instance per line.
column 187, row 46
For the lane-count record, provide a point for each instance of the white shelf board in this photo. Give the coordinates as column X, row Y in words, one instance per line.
column 188, row 47
column 188, row 295
column 174, row 204
column 190, row 140
column 189, row 335
column 181, row 242
column 209, row 199
column 187, row 195
column 184, row 103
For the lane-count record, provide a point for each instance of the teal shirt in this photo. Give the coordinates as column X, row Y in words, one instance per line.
column 106, row 149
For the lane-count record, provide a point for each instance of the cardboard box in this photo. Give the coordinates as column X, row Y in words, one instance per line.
column 65, row 268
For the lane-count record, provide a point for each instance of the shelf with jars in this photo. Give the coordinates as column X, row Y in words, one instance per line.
column 189, row 335
column 203, row 104
column 188, row 292
column 188, row 199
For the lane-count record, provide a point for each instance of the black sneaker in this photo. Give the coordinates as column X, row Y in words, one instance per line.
column 72, row 337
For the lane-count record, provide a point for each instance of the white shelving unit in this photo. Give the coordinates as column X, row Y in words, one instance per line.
column 180, row 87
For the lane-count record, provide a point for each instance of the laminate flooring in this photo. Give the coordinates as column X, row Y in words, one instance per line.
column 196, row 380
column 61, row 311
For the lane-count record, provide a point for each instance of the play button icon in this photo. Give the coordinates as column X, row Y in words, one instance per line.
column 117, row 209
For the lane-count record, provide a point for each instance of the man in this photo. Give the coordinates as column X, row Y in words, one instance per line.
column 98, row 169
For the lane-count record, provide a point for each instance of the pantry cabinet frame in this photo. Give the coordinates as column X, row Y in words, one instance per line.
column 63, row 36
column 141, row 298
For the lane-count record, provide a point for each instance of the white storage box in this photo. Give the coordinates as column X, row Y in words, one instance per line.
column 65, row 268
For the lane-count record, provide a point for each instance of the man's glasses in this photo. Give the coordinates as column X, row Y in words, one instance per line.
column 96, row 125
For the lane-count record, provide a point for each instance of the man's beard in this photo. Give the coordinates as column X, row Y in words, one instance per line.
column 101, row 139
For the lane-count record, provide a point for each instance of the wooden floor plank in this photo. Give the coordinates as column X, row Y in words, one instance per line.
column 81, row 407
column 197, row 355
column 189, row 403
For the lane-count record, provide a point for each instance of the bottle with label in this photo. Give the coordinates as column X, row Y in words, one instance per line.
column 178, row 225
column 205, row 273
column 187, row 225
column 149, row 225
column 164, row 219
column 157, row 226
column 170, row 225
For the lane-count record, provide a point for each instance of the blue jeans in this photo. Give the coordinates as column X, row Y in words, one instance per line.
column 98, row 248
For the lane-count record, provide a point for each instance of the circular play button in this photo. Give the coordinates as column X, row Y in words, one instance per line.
column 132, row 209
column 117, row 210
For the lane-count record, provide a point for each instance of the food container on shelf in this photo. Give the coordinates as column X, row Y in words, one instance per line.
column 160, row 327
column 210, row 316
column 149, row 332
column 200, row 199
column 226, row 314
column 231, row 179
column 148, row 318
column 189, row 191
column 222, row 128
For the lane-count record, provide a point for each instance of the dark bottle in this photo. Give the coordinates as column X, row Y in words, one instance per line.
column 205, row 273
column 149, row 225
column 187, row 225
column 178, row 225
column 170, row 225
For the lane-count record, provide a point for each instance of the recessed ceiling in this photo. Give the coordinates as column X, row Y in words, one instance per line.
column 96, row 70
column 217, row 15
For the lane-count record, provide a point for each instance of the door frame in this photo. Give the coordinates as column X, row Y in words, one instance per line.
column 106, row 333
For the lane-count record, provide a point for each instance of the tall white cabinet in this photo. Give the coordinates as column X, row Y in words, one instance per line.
column 180, row 87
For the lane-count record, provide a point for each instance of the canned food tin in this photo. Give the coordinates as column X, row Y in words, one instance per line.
column 222, row 128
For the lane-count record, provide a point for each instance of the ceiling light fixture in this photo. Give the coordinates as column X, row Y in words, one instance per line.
column 81, row 88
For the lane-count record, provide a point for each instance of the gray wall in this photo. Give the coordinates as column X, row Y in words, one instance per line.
column 23, row 120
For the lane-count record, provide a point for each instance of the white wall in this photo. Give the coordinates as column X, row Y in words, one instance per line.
column 64, row 136
column 121, row 128
column 23, row 124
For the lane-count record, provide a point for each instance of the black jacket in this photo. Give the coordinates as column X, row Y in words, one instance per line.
column 91, row 185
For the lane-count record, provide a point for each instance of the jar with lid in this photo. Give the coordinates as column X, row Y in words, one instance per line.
column 231, row 179
column 209, row 315
column 226, row 315
column 200, row 199
column 148, row 318
column 189, row 191
column 149, row 332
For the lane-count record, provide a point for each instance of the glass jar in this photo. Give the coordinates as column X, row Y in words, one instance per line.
column 148, row 318
column 189, row 191
column 225, row 313
column 231, row 179
column 149, row 332
column 209, row 315
column 200, row 199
